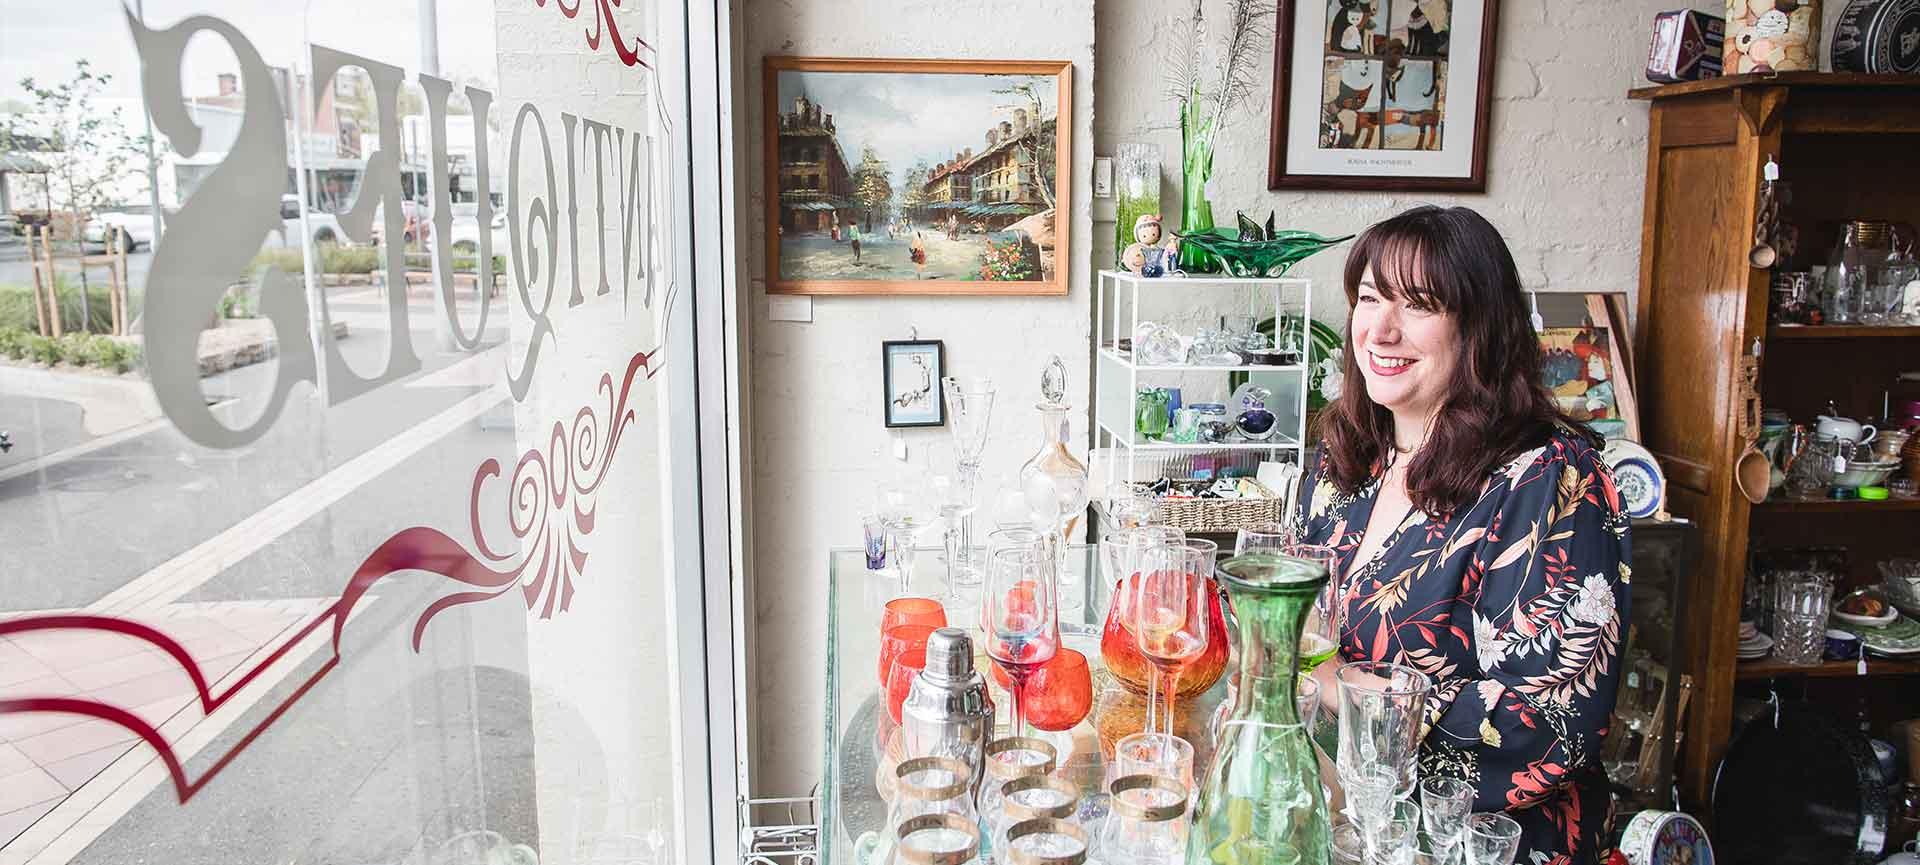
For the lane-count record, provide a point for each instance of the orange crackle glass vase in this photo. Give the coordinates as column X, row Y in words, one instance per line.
column 1121, row 653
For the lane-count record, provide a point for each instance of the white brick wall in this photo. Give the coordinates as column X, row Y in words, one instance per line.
column 817, row 440
column 1566, row 168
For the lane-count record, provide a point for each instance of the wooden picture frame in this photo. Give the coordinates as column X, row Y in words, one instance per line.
column 946, row 220
column 916, row 400
column 1326, row 134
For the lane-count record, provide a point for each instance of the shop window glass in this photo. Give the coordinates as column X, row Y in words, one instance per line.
column 334, row 526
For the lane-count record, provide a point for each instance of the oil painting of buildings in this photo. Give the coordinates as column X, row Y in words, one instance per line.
column 914, row 176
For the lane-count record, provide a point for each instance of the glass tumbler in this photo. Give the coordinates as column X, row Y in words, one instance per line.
column 1010, row 759
column 1046, row 841
column 1800, row 618
column 935, row 839
column 1381, row 708
column 1492, row 839
column 1446, row 806
column 1145, row 822
column 1034, row 797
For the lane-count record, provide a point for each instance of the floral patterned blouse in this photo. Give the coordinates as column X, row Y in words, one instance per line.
column 1514, row 605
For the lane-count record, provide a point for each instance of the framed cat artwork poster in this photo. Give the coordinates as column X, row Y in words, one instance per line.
column 1382, row 94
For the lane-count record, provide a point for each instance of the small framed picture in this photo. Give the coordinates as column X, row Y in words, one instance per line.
column 912, row 369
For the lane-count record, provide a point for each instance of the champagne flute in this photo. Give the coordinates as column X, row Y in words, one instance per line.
column 954, row 490
column 970, row 408
column 1019, row 618
column 1170, row 618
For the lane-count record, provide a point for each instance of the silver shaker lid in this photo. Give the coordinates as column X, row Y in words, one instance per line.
column 949, row 654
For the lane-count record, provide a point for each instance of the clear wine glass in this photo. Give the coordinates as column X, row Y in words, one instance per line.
column 970, row 412
column 1170, row 606
column 904, row 505
column 1019, row 618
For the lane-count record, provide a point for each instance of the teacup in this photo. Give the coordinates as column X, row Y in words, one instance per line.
column 1845, row 429
column 1842, row 645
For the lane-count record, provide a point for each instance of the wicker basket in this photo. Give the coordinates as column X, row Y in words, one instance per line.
column 1219, row 515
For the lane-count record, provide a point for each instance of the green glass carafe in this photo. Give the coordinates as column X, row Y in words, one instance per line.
column 1262, row 803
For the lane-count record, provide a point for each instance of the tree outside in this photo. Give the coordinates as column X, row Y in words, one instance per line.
column 86, row 148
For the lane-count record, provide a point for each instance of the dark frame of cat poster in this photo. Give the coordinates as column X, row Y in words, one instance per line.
column 1382, row 95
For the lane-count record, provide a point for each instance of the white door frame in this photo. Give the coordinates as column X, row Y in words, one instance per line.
column 708, row 501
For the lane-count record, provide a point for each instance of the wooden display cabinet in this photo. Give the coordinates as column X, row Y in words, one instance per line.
column 1849, row 146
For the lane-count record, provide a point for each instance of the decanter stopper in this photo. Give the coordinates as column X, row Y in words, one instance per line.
column 1053, row 382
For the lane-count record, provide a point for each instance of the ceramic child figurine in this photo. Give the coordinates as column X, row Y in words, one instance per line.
column 1147, row 256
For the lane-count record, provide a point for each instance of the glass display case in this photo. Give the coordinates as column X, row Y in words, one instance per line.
column 860, row 740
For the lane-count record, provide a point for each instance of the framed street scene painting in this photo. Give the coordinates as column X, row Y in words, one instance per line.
column 1382, row 94
column 917, row 176
column 911, row 370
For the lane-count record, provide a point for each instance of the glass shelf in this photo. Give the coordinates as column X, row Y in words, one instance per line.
column 850, row 802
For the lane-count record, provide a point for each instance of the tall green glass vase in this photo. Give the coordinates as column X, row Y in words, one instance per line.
column 1262, row 803
column 1196, row 168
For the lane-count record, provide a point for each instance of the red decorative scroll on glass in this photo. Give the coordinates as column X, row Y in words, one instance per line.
column 551, row 506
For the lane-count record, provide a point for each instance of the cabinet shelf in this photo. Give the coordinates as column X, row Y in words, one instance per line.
column 1768, row 668
column 1280, row 442
column 1127, row 361
column 1777, row 332
column 1821, row 506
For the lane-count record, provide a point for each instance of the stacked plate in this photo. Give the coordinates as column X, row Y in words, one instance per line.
column 1898, row 639
column 1753, row 644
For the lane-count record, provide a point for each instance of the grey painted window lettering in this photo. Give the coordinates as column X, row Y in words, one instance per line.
column 234, row 209
column 216, row 234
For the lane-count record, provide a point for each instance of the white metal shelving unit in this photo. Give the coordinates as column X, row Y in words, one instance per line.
column 1117, row 379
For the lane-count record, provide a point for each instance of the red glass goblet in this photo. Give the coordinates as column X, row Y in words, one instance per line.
column 913, row 611
column 1060, row 693
column 900, row 678
column 897, row 641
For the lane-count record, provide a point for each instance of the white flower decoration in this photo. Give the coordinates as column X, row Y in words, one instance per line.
column 1594, row 605
column 1487, row 643
column 1333, row 374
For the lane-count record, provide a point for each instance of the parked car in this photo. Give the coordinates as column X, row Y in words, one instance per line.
column 131, row 223
column 466, row 230
column 325, row 226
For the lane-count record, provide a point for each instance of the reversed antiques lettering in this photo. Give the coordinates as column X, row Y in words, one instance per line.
column 222, row 225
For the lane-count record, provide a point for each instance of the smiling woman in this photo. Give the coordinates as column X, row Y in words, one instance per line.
column 1478, row 536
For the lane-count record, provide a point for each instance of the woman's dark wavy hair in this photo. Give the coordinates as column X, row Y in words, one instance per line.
column 1454, row 260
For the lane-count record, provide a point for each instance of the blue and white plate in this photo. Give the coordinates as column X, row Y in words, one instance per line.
column 1643, row 487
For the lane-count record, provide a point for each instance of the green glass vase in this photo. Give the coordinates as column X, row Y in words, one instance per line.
column 1262, row 803
column 1196, row 168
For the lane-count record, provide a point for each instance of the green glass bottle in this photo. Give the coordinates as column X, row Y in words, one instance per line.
column 1262, row 803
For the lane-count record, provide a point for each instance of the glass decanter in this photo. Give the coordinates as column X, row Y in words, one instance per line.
column 1053, row 480
column 1853, row 271
column 1262, row 803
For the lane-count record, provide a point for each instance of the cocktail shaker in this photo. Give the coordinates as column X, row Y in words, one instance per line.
column 948, row 712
